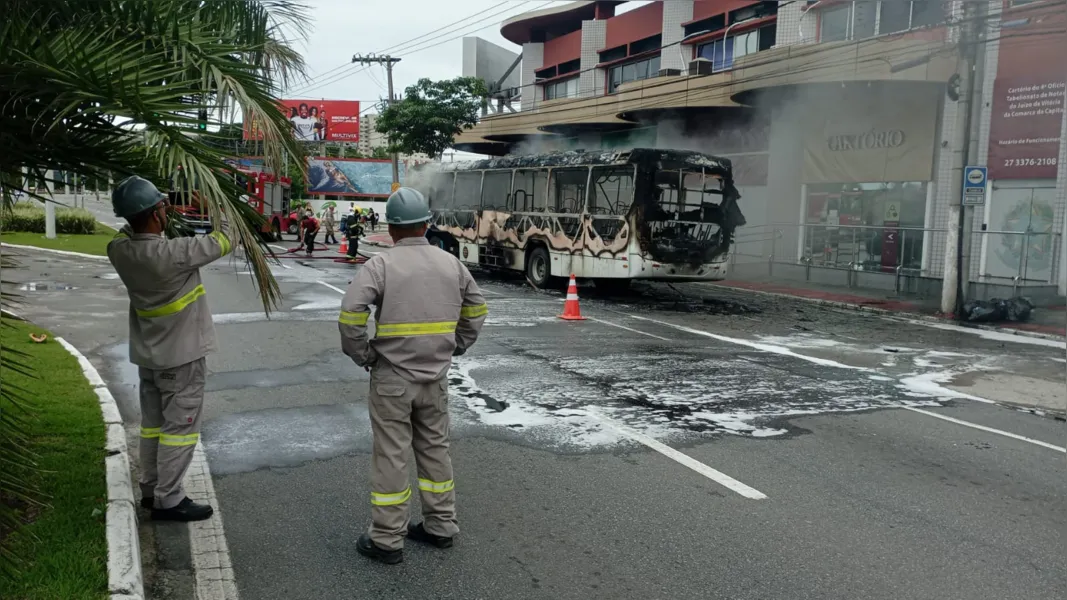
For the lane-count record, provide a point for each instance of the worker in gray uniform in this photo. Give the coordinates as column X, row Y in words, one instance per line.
column 427, row 310
column 170, row 334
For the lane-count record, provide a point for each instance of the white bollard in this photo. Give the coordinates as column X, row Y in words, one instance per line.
column 50, row 219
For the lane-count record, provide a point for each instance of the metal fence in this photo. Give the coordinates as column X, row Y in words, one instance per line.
column 1016, row 258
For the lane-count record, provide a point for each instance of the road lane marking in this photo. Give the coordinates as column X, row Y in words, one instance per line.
column 987, row 429
column 821, row 361
column 284, row 251
column 629, row 329
column 683, row 459
column 770, row 348
column 332, row 287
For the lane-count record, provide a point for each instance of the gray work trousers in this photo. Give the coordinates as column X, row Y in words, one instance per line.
column 171, row 400
column 405, row 414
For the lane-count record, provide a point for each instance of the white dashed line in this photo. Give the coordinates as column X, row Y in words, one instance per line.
column 332, row 287
column 684, row 459
column 988, row 429
column 629, row 329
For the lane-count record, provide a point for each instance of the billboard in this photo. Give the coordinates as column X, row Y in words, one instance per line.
column 317, row 120
column 351, row 176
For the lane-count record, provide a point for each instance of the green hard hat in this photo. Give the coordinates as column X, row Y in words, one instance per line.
column 407, row 206
column 135, row 195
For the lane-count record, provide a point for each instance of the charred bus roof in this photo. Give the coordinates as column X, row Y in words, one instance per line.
column 669, row 160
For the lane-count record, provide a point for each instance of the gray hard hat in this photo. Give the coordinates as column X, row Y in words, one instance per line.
column 407, row 206
column 135, row 195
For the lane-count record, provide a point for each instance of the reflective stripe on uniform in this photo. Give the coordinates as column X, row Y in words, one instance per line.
column 166, row 439
column 353, row 318
column 437, row 487
column 174, row 307
column 390, row 499
column 150, row 432
column 224, row 242
column 411, row 329
column 470, row 312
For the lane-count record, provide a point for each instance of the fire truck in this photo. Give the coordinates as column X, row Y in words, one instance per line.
column 267, row 194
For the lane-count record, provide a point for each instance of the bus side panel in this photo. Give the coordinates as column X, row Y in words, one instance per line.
column 602, row 267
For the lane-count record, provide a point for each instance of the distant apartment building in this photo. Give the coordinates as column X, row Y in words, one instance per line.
column 370, row 138
column 841, row 120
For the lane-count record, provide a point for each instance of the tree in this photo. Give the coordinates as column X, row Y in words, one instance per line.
column 124, row 87
column 432, row 114
column 380, row 153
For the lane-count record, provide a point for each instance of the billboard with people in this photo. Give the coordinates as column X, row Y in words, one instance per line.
column 317, row 120
column 351, row 176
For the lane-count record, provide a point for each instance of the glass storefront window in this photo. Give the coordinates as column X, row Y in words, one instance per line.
column 872, row 226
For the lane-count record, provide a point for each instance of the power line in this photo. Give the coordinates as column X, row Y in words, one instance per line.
column 415, row 46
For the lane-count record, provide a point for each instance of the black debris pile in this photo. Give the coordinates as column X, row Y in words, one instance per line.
column 996, row 310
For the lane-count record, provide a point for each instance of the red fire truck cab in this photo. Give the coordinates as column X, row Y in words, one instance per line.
column 266, row 194
column 269, row 196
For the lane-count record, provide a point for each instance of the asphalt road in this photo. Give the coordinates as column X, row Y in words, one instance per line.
column 821, row 468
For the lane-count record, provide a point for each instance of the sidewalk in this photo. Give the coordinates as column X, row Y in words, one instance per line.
column 1046, row 321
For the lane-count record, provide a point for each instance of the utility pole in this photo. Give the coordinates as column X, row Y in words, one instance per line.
column 388, row 61
column 957, row 270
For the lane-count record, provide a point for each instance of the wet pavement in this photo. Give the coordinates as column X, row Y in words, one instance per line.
column 838, row 418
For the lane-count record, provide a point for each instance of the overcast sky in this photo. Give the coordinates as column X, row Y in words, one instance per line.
column 403, row 28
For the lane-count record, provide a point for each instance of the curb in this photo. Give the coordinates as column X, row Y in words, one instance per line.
column 892, row 313
column 53, row 251
column 125, row 580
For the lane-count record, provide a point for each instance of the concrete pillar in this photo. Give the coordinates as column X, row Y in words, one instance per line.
column 49, row 207
column 533, row 58
column 674, row 14
column 980, row 241
column 594, row 36
column 784, row 188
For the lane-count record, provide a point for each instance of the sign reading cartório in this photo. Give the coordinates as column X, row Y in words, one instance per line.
column 871, row 140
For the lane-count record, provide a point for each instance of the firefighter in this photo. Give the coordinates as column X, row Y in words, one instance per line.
column 427, row 310
column 170, row 334
column 354, row 231
column 310, row 228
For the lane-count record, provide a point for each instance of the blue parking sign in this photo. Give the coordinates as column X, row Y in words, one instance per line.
column 974, row 185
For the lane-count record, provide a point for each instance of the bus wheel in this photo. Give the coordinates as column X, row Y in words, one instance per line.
column 612, row 285
column 537, row 269
column 275, row 231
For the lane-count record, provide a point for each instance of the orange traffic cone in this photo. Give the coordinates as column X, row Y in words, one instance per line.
column 344, row 245
column 571, row 310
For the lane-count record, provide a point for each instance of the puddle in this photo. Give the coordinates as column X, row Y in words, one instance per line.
column 45, row 286
column 108, row 276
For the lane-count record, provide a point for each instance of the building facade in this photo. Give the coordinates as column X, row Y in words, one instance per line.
column 842, row 119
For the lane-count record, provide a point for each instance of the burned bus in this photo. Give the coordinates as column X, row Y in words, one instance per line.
column 666, row 215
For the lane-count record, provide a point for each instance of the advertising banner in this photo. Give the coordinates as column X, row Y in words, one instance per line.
column 317, row 120
column 351, row 176
column 1024, row 130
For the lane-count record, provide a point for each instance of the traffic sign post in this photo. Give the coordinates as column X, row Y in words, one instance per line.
column 974, row 186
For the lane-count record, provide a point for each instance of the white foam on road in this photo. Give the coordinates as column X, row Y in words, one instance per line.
column 771, row 348
column 993, row 335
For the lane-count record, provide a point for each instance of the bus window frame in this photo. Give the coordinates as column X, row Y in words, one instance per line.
column 531, row 199
column 511, row 187
column 591, row 191
column 582, row 209
column 455, row 183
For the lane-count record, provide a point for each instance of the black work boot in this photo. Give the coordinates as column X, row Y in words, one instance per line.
column 417, row 532
column 148, row 502
column 367, row 547
column 187, row 510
